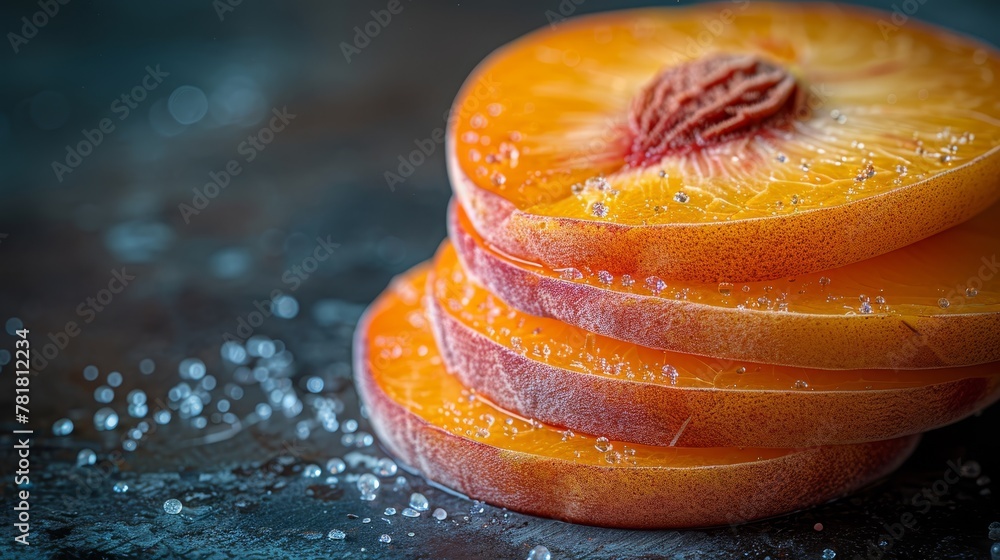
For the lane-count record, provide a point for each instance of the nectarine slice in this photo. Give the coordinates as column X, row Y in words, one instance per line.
column 932, row 304
column 726, row 142
column 566, row 376
column 426, row 418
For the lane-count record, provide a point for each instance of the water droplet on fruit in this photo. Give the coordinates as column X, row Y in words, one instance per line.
column 670, row 372
column 824, row 281
column 570, row 274
column 681, row 197
column 800, row 384
column 603, row 444
column 971, row 292
column 599, row 209
column 741, row 370
column 970, row 469
column 655, row 284
column 605, row 277
column 943, row 303
column 725, row 288
column 866, row 308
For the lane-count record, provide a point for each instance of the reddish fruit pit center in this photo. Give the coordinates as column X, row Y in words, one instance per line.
column 708, row 101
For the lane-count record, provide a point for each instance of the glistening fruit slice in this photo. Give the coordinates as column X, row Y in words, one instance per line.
column 726, row 142
column 429, row 420
column 566, row 376
column 931, row 304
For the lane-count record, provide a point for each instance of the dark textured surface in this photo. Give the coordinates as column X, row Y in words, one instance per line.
column 243, row 492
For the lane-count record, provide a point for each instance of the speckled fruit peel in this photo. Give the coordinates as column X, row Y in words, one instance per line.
column 425, row 417
column 793, row 138
column 935, row 303
column 566, row 376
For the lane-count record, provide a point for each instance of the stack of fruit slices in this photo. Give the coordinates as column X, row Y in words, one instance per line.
column 706, row 265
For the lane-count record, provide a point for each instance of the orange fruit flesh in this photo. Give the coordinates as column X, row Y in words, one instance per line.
column 412, row 374
column 540, row 144
column 955, row 272
column 930, row 304
column 430, row 421
column 567, row 347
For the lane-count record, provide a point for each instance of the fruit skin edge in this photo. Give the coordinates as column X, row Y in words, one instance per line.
column 651, row 414
column 622, row 497
column 755, row 249
column 789, row 339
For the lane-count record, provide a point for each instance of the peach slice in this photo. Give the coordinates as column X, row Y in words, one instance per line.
column 726, row 142
column 566, row 376
column 935, row 303
column 425, row 417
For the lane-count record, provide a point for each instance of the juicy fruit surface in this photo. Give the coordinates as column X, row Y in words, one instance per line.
column 956, row 272
column 424, row 417
column 545, row 124
column 410, row 371
column 930, row 304
column 565, row 346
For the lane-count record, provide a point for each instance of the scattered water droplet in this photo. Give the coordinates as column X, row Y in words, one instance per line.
column 971, row 292
column 943, row 303
column 627, row 280
column 440, row 514
column 800, row 384
column 419, row 502
column 389, row 511
column 312, row 471
column 336, row 535
column 599, row 209
column 681, row 197
column 62, row 427
column 866, row 308
column 385, row 539
column 85, row 457
column 173, row 506
column 605, row 277
column 829, row 554
column 367, row 485
column 386, row 467
column 539, row 553
column 410, row 512
column 120, row 487
column 105, row 419
column 336, row 465
column 818, row 527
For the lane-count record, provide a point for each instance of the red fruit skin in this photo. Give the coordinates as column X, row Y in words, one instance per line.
column 621, row 496
column 654, row 414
